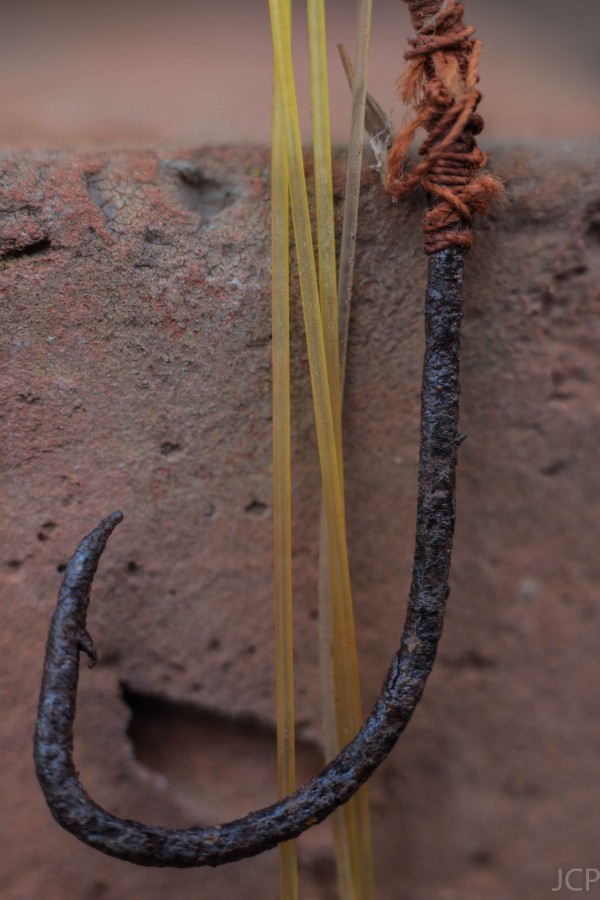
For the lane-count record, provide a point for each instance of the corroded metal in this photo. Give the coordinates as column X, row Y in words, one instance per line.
column 214, row 845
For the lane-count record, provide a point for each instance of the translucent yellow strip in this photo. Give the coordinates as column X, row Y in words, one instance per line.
column 282, row 508
column 324, row 192
column 353, row 172
column 332, row 493
column 350, row 824
column 329, row 318
column 359, row 832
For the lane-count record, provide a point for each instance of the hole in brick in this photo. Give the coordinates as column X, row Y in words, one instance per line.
column 593, row 224
column 199, row 194
column 207, row 755
column 592, row 232
column 134, row 568
column 61, row 567
column 28, row 397
column 154, row 235
column 34, row 249
column 482, row 858
column 46, row 530
column 256, row 508
column 168, row 447
column 555, row 468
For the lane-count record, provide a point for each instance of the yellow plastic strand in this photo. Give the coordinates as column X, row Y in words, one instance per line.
column 322, row 362
column 340, row 698
column 359, row 832
column 332, row 493
column 353, row 172
column 324, row 192
column 329, row 318
column 282, row 508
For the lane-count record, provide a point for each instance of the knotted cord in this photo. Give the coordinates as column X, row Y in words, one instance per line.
column 440, row 84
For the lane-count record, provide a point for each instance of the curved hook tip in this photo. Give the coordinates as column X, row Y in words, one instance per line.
column 81, row 568
column 111, row 521
column 101, row 533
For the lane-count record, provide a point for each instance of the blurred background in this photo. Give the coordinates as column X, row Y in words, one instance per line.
column 189, row 72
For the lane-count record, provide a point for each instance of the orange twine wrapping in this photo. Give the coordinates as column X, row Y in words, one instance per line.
column 440, row 84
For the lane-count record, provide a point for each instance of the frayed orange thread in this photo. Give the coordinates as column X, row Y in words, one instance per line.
column 440, row 84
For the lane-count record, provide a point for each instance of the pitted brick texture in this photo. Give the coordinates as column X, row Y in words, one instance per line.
column 135, row 295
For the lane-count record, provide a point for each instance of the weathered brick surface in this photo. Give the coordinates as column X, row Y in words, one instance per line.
column 136, row 374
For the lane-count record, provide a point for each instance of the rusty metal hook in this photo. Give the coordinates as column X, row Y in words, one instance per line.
column 148, row 845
